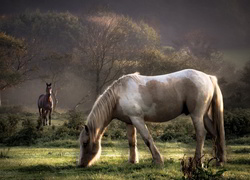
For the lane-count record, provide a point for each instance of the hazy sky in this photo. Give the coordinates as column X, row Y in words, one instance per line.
column 227, row 21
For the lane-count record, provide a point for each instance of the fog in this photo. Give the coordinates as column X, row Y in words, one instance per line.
column 226, row 22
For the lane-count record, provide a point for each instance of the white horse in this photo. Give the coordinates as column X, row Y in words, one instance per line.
column 135, row 99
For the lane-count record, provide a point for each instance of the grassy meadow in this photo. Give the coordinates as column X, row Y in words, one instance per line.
column 56, row 158
column 60, row 163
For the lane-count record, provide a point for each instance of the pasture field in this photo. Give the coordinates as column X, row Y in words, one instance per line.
column 54, row 152
column 54, row 161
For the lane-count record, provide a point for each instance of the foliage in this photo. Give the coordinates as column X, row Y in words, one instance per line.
column 240, row 140
column 13, row 65
column 116, row 130
column 8, row 125
column 237, row 122
column 11, row 110
column 192, row 171
column 76, row 120
column 245, row 77
column 110, row 44
column 50, row 30
column 25, row 136
column 179, row 131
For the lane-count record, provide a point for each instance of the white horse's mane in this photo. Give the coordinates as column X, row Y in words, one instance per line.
column 105, row 103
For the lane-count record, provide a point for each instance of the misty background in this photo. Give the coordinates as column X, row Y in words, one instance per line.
column 81, row 46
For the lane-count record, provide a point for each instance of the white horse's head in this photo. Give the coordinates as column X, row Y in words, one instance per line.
column 89, row 151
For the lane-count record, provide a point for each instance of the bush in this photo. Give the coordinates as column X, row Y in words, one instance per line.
column 8, row 126
column 180, row 131
column 237, row 122
column 191, row 170
column 11, row 109
column 26, row 136
column 61, row 132
column 76, row 120
column 116, row 130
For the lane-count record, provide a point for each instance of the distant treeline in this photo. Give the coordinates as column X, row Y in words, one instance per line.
column 97, row 48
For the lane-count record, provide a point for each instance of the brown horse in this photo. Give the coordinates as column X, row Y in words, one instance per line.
column 45, row 105
column 135, row 99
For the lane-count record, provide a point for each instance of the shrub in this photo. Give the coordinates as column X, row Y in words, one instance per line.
column 116, row 130
column 237, row 122
column 8, row 126
column 76, row 120
column 26, row 136
column 179, row 131
column 11, row 109
column 191, row 170
column 61, row 132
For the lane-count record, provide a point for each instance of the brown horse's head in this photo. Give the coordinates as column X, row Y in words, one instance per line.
column 89, row 150
column 48, row 89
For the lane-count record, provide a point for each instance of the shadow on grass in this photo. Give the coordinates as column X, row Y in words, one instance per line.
column 240, row 161
column 112, row 168
column 45, row 168
column 242, row 151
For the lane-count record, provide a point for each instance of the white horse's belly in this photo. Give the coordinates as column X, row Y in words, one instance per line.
column 162, row 112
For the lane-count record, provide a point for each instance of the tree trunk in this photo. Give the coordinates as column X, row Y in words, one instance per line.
column 97, row 90
column 0, row 98
column 55, row 100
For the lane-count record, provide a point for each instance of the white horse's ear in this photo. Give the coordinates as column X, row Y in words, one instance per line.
column 86, row 128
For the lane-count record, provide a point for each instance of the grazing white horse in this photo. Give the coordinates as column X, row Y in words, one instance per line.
column 135, row 99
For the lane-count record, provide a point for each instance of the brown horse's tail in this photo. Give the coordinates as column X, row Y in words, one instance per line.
column 218, row 121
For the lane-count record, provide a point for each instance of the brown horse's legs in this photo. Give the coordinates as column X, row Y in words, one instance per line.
column 132, row 141
column 43, row 117
column 46, row 117
column 140, row 125
column 50, row 117
column 40, row 115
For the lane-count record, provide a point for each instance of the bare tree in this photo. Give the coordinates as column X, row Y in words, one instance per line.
column 15, row 62
column 53, row 71
column 111, row 43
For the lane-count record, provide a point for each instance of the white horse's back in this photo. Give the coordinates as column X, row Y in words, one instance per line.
column 162, row 98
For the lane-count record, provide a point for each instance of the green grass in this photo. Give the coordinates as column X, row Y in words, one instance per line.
column 38, row 162
column 57, row 158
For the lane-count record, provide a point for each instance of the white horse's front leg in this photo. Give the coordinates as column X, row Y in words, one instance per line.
column 132, row 141
column 140, row 125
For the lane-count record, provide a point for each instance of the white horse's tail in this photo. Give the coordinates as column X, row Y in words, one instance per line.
column 218, row 120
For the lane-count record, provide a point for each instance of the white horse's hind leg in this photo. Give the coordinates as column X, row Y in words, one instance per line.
column 132, row 141
column 200, row 137
column 140, row 125
column 209, row 126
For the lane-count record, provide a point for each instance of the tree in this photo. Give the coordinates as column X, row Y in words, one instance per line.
column 48, row 36
column 245, row 77
column 200, row 47
column 14, row 62
column 48, row 31
column 109, row 43
column 54, row 71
